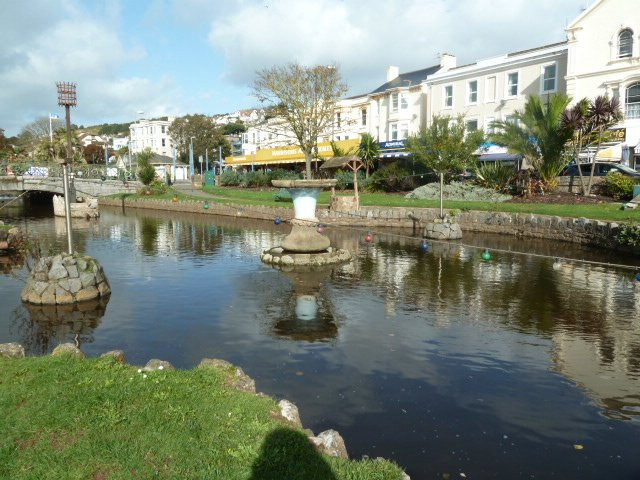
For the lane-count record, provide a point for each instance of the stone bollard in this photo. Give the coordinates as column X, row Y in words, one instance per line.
column 65, row 279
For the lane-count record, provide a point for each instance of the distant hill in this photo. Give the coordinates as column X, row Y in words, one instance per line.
column 108, row 129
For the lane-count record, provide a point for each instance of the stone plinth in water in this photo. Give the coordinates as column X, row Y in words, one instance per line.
column 304, row 245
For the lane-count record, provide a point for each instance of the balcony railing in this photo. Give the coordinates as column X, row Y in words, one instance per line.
column 632, row 110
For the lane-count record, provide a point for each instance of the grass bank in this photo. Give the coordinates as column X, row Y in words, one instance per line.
column 604, row 211
column 98, row 419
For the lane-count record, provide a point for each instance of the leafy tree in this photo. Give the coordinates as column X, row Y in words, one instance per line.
column 207, row 136
column 234, row 128
column 445, row 146
column 93, row 153
column 114, row 128
column 304, row 97
column 368, row 151
column 146, row 172
column 539, row 134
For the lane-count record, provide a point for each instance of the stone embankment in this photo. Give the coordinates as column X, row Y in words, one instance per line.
column 575, row 230
column 328, row 442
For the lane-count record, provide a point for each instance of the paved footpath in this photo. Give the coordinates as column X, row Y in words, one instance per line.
column 188, row 189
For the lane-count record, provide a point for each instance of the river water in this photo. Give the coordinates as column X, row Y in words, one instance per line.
column 450, row 365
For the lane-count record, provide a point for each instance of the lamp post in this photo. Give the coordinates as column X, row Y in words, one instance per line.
column 191, row 167
column 51, row 117
column 67, row 98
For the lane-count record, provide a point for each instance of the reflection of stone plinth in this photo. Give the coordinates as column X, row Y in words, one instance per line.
column 304, row 245
column 65, row 279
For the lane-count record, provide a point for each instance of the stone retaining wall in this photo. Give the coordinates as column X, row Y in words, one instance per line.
column 576, row 230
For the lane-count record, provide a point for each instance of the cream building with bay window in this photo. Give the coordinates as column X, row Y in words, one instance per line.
column 494, row 88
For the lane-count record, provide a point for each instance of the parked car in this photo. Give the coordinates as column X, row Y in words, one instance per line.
column 602, row 169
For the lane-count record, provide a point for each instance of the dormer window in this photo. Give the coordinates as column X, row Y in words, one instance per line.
column 625, row 43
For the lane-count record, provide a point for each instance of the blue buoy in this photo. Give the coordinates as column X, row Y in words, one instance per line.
column 424, row 246
column 638, row 276
column 277, row 220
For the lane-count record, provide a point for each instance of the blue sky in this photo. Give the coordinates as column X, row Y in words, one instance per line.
column 172, row 57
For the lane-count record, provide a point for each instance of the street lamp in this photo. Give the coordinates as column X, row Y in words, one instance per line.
column 67, row 98
column 51, row 117
column 191, row 166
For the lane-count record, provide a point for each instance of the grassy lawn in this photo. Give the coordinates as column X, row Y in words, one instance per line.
column 605, row 211
column 97, row 419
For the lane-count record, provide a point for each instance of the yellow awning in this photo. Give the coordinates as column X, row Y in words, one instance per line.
column 611, row 154
column 288, row 154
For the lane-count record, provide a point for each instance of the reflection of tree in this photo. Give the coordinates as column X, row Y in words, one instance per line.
column 306, row 313
column 149, row 234
column 41, row 327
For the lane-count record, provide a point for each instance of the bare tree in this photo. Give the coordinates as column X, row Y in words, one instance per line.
column 39, row 128
column 305, row 98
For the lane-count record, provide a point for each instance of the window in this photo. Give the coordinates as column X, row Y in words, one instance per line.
column 625, row 43
column 338, row 119
column 472, row 89
column 163, row 141
column 403, row 102
column 394, row 131
column 549, row 78
column 632, row 106
column 512, row 84
column 472, row 125
column 394, row 102
column 448, row 96
column 510, row 119
column 491, row 89
column 163, row 130
column 363, row 114
column 404, row 131
column 488, row 124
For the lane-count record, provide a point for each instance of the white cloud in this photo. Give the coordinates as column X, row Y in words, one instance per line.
column 365, row 36
column 70, row 45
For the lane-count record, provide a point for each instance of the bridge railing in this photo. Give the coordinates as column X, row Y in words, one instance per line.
column 51, row 169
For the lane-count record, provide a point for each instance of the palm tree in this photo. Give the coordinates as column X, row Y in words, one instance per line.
column 576, row 119
column 368, row 151
column 589, row 121
column 603, row 114
column 539, row 134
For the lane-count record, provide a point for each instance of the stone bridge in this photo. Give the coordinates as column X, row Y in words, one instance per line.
column 86, row 187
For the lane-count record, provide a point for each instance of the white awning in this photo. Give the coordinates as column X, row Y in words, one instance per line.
column 394, row 154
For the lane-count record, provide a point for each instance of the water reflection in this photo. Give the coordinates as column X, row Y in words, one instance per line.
column 408, row 354
column 41, row 327
column 306, row 313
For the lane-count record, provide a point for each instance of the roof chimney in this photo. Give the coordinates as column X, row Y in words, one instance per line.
column 447, row 61
column 392, row 72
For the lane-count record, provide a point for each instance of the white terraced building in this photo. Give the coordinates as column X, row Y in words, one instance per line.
column 601, row 56
column 153, row 134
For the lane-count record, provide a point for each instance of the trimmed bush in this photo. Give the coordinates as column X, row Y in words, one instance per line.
column 629, row 235
column 619, row 186
column 494, row 175
column 392, row 178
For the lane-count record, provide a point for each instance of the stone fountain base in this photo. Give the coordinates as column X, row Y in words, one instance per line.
column 285, row 259
column 304, row 238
